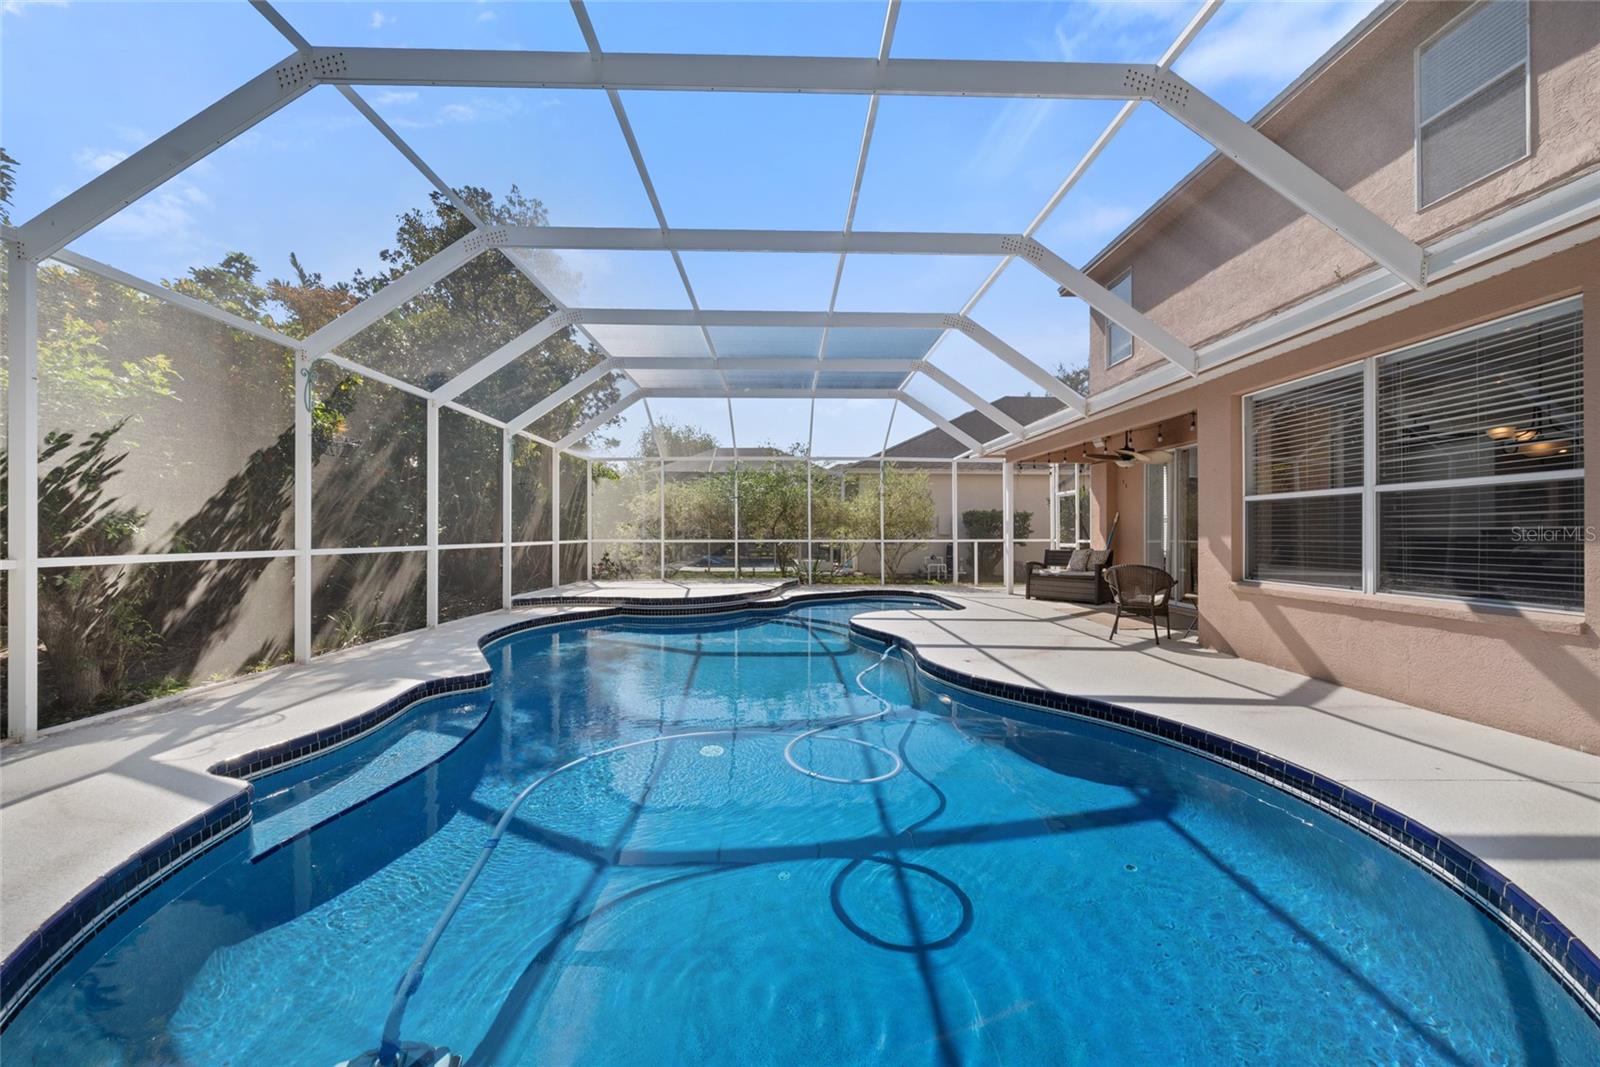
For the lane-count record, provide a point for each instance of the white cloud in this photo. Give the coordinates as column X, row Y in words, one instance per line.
column 20, row 7
column 1135, row 30
column 394, row 96
column 379, row 20
column 1267, row 43
column 166, row 216
column 1100, row 219
column 1007, row 138
column 461, row 113
column 98, row 160
column 486, row 16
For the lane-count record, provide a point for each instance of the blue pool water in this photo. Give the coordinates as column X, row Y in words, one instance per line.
column 1027, row 889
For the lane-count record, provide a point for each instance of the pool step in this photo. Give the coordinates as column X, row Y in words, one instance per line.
column 411, row 752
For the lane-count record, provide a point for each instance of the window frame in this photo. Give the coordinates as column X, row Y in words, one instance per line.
column 1418, row 122
column 1079, row 481
column 1370, row 488
column 1112, row 360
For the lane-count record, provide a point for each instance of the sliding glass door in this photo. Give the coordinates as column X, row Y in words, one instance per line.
column 1171, row 522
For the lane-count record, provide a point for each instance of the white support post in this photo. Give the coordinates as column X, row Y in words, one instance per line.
column 22, row 431
column 883, row 564
column 555, row 518
column 661, row 501
column 955, row 525
column 303, row 401
column 1008, row 523
column 1055, row 505
column 1369, row 477
column 433, row 512
column 811, row 548
column 736, row 530
column 588, row 519
column 507, row 441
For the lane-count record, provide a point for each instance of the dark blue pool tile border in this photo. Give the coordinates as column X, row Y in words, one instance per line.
column 44, row 952
column 48, row 948
column 1484, row 886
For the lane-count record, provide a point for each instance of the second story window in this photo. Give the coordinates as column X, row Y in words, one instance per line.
column 1119, row 342
column 1472, row 99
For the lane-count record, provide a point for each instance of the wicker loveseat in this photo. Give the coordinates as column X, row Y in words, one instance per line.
column 1055, row 580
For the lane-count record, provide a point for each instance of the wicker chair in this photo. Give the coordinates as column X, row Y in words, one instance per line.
column 1141, row 590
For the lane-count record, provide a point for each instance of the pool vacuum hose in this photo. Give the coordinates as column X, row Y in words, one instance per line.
column 392, row 1052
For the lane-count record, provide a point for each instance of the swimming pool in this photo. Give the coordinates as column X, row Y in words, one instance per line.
column 987, row 884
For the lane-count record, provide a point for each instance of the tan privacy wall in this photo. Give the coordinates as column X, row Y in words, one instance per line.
column 1537, row 674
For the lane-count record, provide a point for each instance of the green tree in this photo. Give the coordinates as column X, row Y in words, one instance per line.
column 908, row 515
column 677, row 439
column 1074, row 377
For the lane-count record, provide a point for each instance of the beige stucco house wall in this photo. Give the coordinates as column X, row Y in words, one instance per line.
column 1225, row 252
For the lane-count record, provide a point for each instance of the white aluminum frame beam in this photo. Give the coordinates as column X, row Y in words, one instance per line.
column 978, row 403
column 564, row 394
column 1169, row 57
column 1020, row 363
column 394, row 295
column 768, row 363
column 172, row 296
column 972, row 443
column 604, row 417
column 704, row 239
column 507, row 353
column 925, row 320
column 734, row 73
column 110, row 191
column 1110, row 305
column 128, row 180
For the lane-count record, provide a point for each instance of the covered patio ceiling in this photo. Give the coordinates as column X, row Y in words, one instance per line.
column 656, row 355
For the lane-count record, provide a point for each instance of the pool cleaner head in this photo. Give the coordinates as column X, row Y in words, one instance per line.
column 407, row 1054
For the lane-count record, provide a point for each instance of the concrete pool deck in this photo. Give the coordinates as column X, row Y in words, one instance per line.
column 77, row 802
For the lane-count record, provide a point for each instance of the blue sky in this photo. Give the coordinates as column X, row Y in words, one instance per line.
column 317, row 180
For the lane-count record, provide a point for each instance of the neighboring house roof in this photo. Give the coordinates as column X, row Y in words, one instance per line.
column 934, row 443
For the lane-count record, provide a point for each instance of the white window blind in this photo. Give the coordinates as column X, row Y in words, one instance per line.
column 1303, row 482
column 1119, row 342
column 1472, row 106
column 1480, row 461
column 1476, row 474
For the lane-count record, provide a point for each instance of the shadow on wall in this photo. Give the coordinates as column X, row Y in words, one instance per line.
column 1566, row 713
column 111, row 636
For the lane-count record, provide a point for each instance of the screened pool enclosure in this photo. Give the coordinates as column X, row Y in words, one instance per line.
column 240, row 466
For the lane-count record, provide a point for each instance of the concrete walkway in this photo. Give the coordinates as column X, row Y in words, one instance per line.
column 1529, row 808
